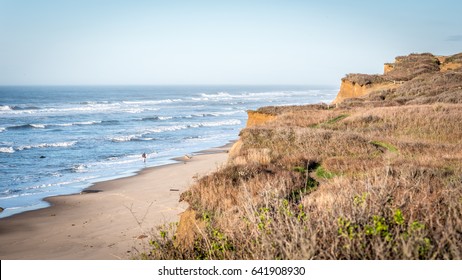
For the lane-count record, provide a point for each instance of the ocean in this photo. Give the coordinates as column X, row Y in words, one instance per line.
column 57, row 140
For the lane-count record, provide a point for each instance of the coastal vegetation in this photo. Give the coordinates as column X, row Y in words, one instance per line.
column 377, row 176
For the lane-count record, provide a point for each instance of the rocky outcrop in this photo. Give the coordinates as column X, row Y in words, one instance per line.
column 404, row 69
column 387, row 67
column 189, row 228
column 352, row 89
column 254, row 118
column 257, row 118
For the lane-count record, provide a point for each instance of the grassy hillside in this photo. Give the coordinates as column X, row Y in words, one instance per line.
column 377, row 177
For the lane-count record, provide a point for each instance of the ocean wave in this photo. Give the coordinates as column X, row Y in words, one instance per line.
column 127, row 138
column 123, row 138
column 125, row 106
column 151, row 102
column 5, row 108
column 26, row 126
column 245, row 95
column 17, row 108
column 79, row 168
column 197, row 115
column 2, row 129
column 38, row 189
column 37, row 125
column 138, row 137
column 76, row 123
column 168, row 128
column 115, row 161
column 42, row 126
column 36, row 110
column 218, row 123
column 47, row 145
column 6, row 150
column 10, row 191
column 144, row 139
column 157, row 118
column 213, row 96
column 87, row 123
column 217, row 114
column 94, row 102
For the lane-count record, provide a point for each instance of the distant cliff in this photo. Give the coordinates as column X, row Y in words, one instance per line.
column 404, row 70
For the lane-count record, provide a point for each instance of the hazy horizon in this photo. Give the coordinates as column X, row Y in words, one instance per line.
column 214, row 43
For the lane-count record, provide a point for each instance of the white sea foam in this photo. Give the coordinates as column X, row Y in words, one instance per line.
column 79, row 168
column 63, row 124
column 151, row 102
column 124, row 138
column 5, row 108
column 230, row 113
column 7, row 150
column 37, row 125
column 168, row 128
column 145, row 139
column 2, row 129
column 85, row 108
column 247, row 95
column 77, row 123
column 216, row 114
column 47, row 145
column 219, row 123
column 215, row 96
column 218, row 94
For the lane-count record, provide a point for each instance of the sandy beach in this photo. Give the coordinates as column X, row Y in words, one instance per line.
column 109, row 220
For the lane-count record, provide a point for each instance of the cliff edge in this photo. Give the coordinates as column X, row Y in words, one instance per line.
column 396, row 75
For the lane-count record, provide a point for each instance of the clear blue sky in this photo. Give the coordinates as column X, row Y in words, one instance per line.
column 216, row 42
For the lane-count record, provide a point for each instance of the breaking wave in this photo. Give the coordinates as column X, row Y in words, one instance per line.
column 47, row 145
column 7, row 150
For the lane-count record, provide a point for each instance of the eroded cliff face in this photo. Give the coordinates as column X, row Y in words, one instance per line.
column 405, row 68
column 254, row 119
column 189, row 228
column 450, row 66
column 349, row 89
column 257, row 118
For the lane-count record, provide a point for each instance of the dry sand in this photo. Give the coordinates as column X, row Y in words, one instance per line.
column 110, row 220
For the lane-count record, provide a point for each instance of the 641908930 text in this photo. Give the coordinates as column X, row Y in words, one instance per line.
column 214, row 271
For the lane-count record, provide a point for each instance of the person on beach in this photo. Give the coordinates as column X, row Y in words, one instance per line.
column 144, row 157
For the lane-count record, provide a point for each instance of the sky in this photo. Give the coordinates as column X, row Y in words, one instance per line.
column 239, row 42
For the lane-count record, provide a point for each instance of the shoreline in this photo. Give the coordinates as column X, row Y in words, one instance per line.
column 109, row 219
column 126, row 174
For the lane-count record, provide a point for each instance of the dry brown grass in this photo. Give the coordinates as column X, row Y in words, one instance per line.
column 437, row 123
column 278, row 110
column 402, row 202
column 411, row 66
column 457, row 58
column 364, row 79
column 443, row 87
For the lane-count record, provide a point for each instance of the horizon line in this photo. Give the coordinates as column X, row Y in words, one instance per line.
column 158, row 85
